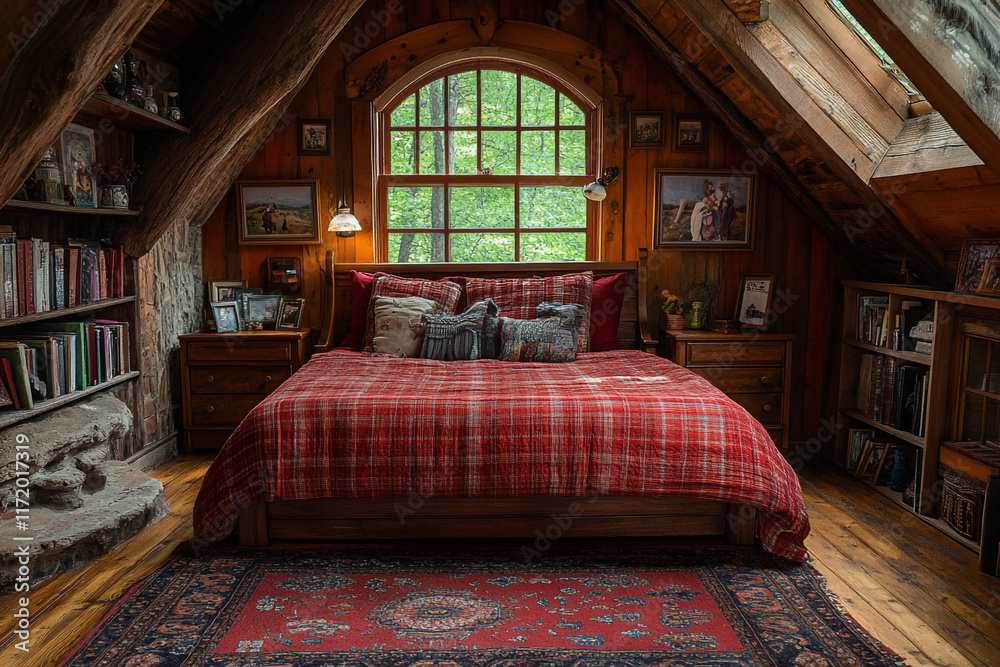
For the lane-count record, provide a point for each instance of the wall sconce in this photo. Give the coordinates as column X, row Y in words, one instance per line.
column 596, row 191
column 343, row 223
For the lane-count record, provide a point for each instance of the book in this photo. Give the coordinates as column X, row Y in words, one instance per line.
column 864, row 381
column 44, row 276
column 38, row 284
column 7, row 377
column 58, row 278
column 79, row 332
column 14, row 354
column 9, row 293
column 72, row 276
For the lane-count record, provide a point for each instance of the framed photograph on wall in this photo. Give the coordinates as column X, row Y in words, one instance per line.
column 314, row 136
column 979, row 267
column 646, row 129
column 227, row 316
column 689, row 133
column 703, row 209
column 76, row 148
column 278, row 212
column 290, row 315
column 753, row 308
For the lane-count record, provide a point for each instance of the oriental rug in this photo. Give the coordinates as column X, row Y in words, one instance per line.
column 330, row 607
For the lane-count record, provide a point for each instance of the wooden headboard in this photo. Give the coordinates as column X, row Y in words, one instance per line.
column 633, row 328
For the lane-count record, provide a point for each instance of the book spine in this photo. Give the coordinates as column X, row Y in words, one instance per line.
column 21, row 279
column 8, row 280
column 58, row 278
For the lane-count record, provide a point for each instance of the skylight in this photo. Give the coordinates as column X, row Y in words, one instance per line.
column 887, row 63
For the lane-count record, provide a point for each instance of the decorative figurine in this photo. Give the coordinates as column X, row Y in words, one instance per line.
column 114, row 82
column 173, row 111
column 48, row 179
column 135, row 80
column 149, row 104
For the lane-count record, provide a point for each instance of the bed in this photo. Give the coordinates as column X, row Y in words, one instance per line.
column 617, row 443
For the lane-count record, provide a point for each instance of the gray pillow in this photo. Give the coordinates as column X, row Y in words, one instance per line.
column 460, row 337
column 551, row 339
column 572, row 312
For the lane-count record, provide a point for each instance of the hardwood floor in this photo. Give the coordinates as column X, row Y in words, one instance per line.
column 912, row 587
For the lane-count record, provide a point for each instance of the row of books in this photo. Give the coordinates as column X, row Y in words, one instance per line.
column 46, row 360
column 893, row 392
column 873, row 316
column 901, row 332
column 39, row 277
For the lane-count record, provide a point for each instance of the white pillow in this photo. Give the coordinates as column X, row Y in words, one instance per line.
column 399, row 324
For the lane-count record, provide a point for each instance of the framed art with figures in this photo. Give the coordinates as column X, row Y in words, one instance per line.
column 706, row 209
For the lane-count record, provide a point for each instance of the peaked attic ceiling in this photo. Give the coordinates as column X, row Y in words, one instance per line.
column 829, row 125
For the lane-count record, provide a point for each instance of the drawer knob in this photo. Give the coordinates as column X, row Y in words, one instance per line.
column 210, row 408
column 765, row 380
column 767, row 407
column 267, row 378
column 210, row 379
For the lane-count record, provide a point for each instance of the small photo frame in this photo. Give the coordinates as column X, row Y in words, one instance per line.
column 224, row 290
column 753, row 308
column 871, row 459
column 646, row 129
column 689, row 133
column 227, row 316
column 314, row 136
column 290, row 315
column 240, row 295
column 979, row 268
column 76, row 149
column 263, row 307
column 277, row 212
column 857, row 438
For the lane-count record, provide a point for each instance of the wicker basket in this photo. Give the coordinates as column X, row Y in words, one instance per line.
column 962, row 503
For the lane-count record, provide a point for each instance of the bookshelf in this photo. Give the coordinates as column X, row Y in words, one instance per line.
column 961, row 388
column 12, row 417
column 42, row 207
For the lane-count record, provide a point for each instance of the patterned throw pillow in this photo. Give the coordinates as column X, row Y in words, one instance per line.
column 572, row 312
column 518, row 297
column 399, row 324
column 458, row 337
column 443, row 294
column 550, row 339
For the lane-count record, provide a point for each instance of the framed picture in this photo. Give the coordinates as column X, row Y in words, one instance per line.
column 277, row 212
column 314, row 136
column 979, row 268
column 227, row 316
column 689, row 132
column 224, row 290
column 263, row 307
column 646, row 129
column 708, row 209
column 76, row 148
column 871, row 459
column 857, row 438
column 290, row 314
column 240, row 295
column 753, row 309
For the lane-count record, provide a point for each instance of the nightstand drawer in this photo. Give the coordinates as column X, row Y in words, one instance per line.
column 260, row 350
column 765, row 408
column 743, row 379
column 735, row 352
column 237, row 379
column 223, row 409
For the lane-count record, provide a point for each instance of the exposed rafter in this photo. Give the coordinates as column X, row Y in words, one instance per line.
column 54, row 72
column 950, row 49
column 233, row 110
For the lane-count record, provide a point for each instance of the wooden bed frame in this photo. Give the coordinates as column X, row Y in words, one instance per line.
column 354, row 519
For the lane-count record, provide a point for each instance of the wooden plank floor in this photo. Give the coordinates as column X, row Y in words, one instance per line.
column 913, row 588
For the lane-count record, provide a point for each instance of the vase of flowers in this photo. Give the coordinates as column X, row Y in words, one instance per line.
column 116, row 183
column 673, row 307
column 700, row 298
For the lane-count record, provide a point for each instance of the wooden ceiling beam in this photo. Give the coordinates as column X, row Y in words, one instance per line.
column 749, row 11
column 254, row 78
column 925, row 144
column 951, row 52
column 54, row 72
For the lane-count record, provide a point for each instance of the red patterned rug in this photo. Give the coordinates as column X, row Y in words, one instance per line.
column 389, row 608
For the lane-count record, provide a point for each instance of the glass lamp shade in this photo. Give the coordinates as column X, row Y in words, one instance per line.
column 595, row 191
column 344, row 223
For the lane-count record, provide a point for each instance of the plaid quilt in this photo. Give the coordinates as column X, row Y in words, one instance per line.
column 621, row 423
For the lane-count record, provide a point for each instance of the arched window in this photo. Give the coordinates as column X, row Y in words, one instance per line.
column 483, row 165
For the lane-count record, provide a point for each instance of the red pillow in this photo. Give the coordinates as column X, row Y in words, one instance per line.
column 517, row 298
column 361, row 295
column 606, row 311
column 445, row 294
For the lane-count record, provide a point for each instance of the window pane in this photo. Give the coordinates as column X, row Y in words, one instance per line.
column 482, row 247
column 538, row 103
column 499, row 103
column 416, row 247
column 405, row 114
column 553, row 206
column 573, row 152
column 976, row 375
column 990, row 434
column 555, row 247
column 569, row 113
column 972, row 418
column 478, row 207
column 401, row 152
column 416, row 207
column 463, row 101
column 500, row 151
column 432, row 152
column 538, row 152
column 432, row 104
column 464, row 152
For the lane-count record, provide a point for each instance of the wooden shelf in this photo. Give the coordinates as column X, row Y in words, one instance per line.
column 53, row 314
column 15, row 416
column 38, row 206
column 914, row 357
column 918, row 292
column 894, row 432
column 127, row 116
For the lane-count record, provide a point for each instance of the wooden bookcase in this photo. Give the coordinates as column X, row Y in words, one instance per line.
column 957, row 318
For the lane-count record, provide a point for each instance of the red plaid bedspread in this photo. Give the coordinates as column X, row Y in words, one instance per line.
column 620, row 423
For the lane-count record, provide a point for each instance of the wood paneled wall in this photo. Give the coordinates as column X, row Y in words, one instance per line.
column 808, row 271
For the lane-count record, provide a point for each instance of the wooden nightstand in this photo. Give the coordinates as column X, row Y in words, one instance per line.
column 755, row 370
column 223, row 376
